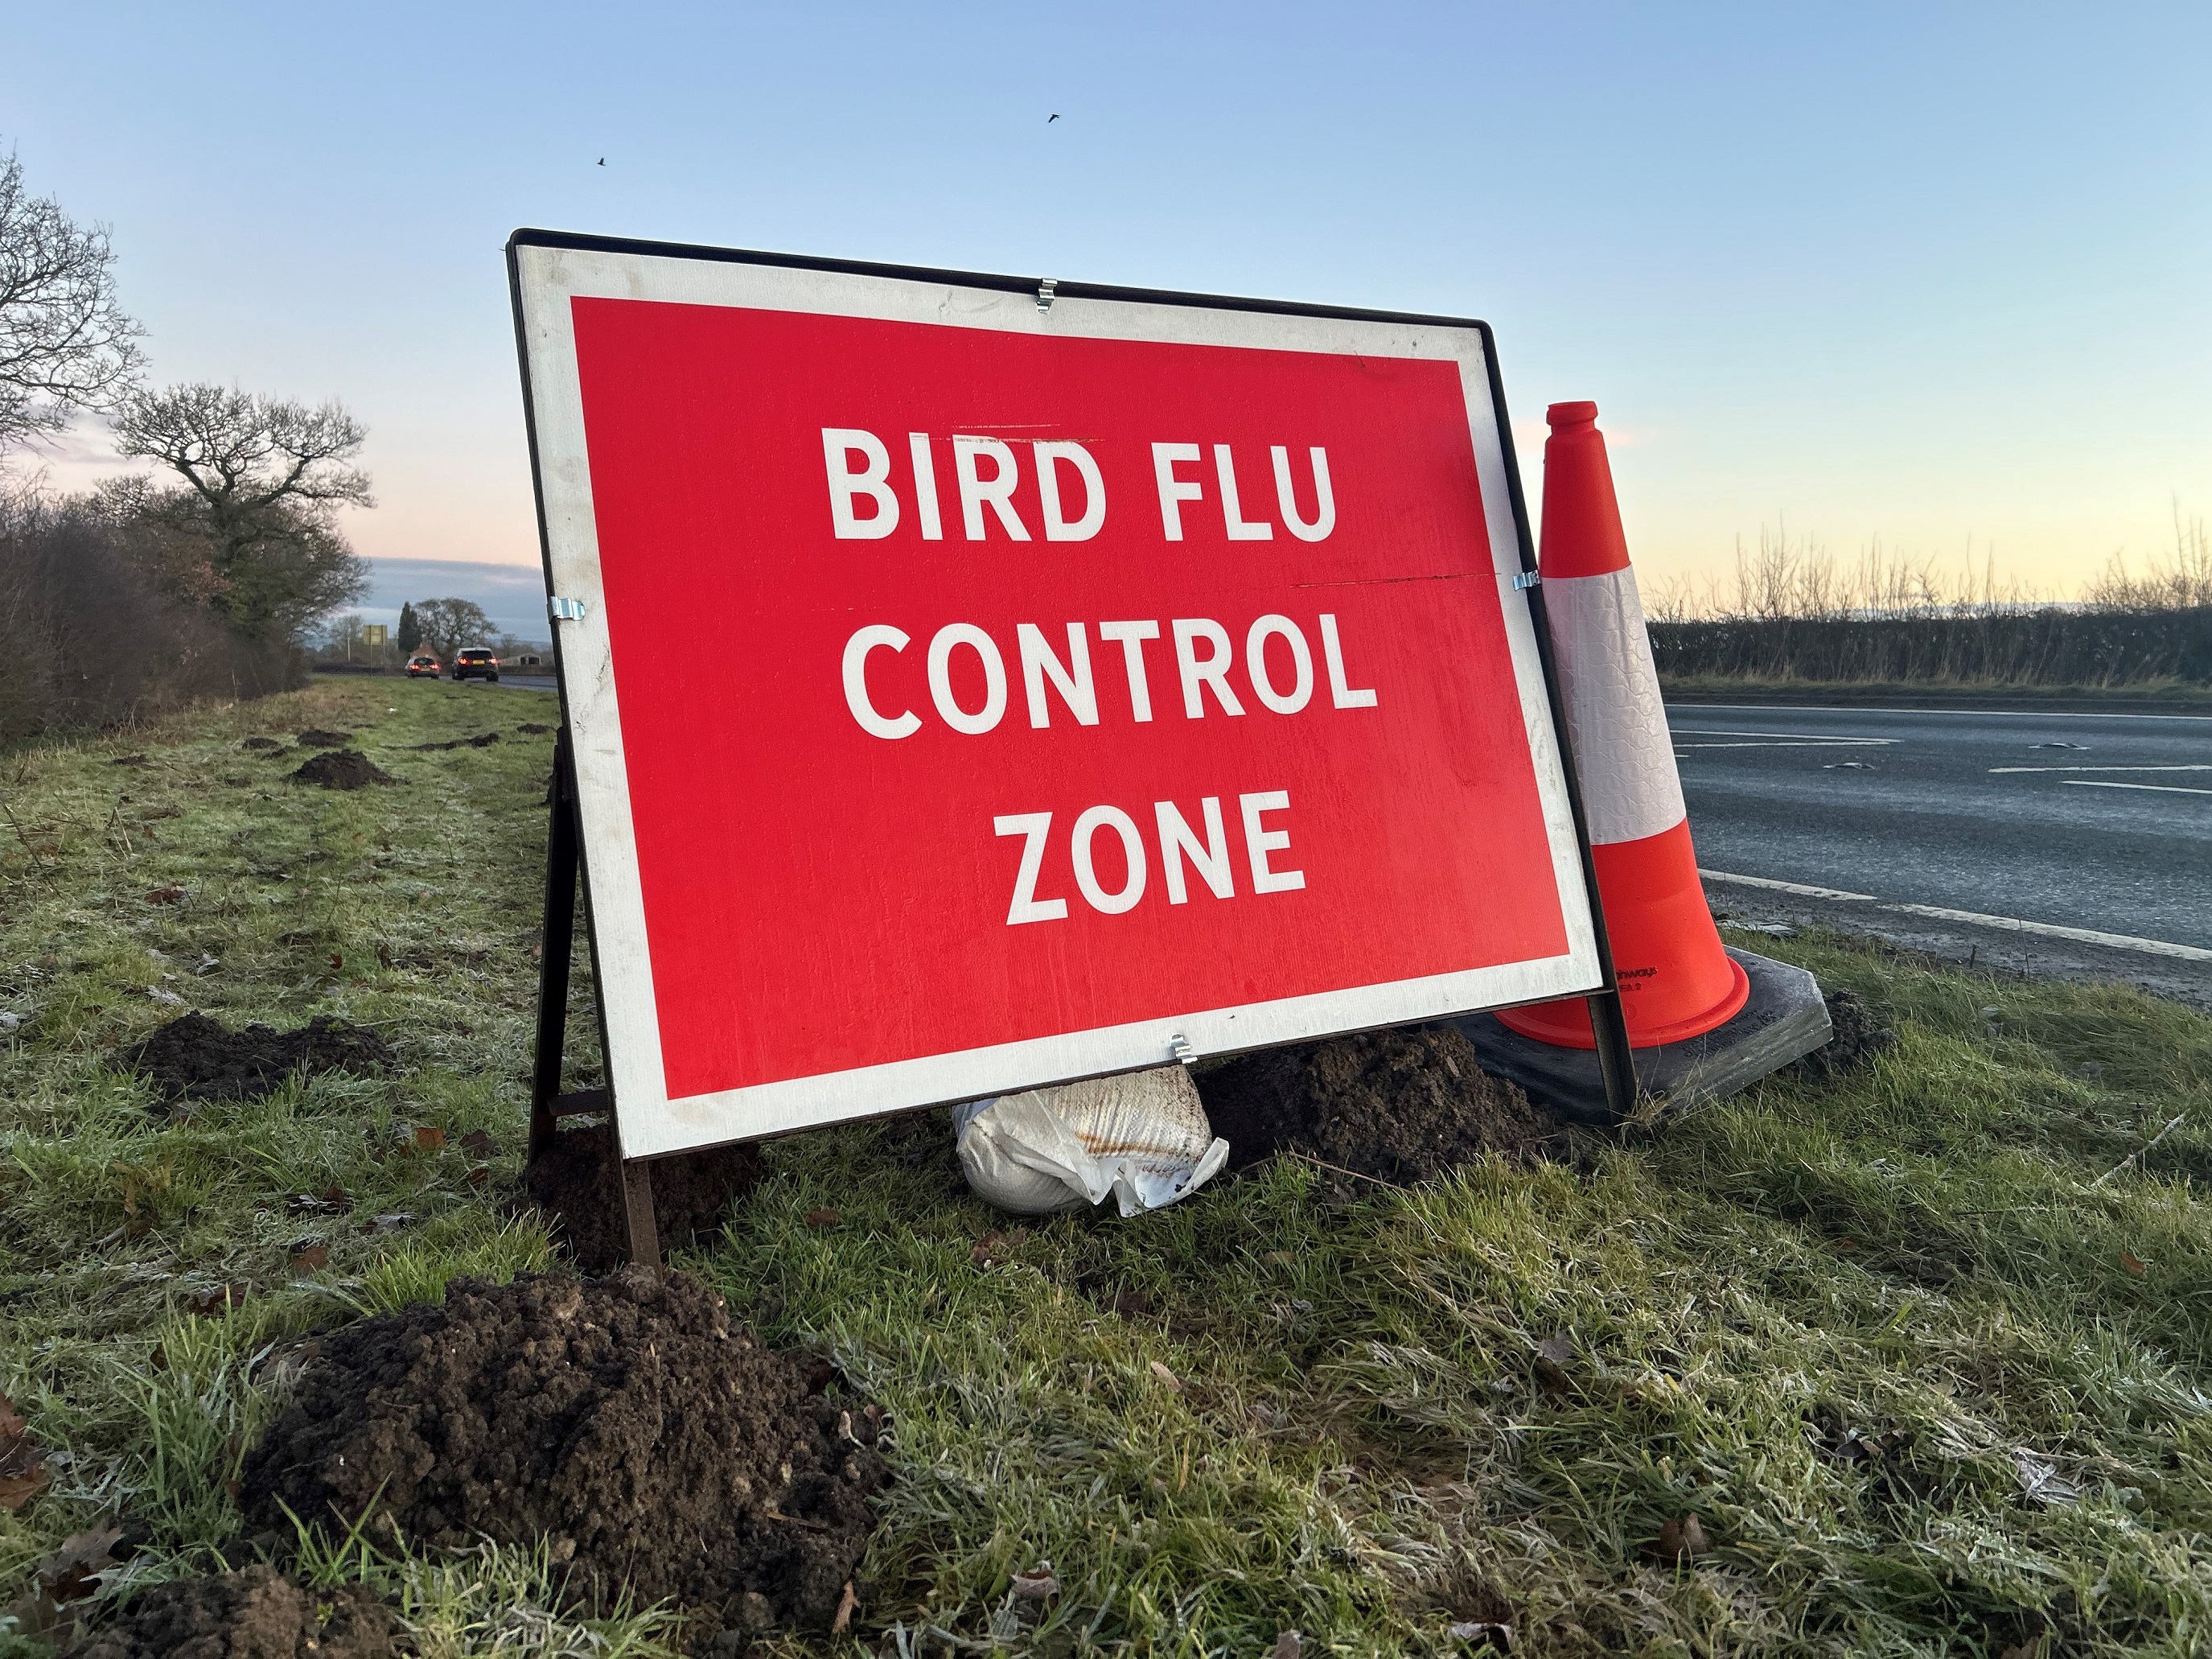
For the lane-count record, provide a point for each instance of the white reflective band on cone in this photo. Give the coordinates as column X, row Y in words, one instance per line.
column 1623, row 753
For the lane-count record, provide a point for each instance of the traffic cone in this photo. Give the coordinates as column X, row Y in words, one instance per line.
column 1676, row 981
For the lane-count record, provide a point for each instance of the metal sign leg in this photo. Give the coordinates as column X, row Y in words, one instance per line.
column 638, row 1224
column 547, row 1105
column 1616, row 1062
column 557, row 941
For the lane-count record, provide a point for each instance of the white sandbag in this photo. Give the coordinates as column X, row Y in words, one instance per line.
column 1142, row 1136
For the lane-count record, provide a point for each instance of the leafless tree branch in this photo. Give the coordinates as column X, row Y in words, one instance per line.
column 65, row 343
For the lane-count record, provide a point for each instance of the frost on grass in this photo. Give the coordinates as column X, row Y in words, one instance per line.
column 1921, row 1345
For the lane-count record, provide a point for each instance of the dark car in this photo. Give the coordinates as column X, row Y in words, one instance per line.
column 476, row 663
column 419, row 666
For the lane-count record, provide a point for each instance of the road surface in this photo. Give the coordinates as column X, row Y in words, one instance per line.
column 2071, row 843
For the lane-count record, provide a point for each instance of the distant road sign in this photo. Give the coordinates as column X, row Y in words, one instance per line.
column 373, row 633
column 980, row 685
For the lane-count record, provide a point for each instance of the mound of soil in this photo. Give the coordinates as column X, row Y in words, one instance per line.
column 573, row 1181
column 342, row 768
column 1397, row 1105
column 252, row 1615
column 621, row 1418
column 316, row 737
column 197, row 1058
column 260, row 743
column 1859, row 1037
column 531, row 729
column 481, row 740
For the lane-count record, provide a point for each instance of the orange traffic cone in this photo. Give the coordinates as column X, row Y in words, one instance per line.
column 1676, row 981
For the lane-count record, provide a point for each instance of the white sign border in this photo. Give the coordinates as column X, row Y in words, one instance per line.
column 551, row 272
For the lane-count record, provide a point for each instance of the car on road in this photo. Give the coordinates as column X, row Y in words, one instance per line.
column 475, row 663
column 420, row 666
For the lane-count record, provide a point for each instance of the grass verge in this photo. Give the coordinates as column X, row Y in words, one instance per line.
column 1921, row 1348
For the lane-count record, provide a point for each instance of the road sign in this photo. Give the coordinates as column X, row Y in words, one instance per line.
column 373, row 633
column 977, row 684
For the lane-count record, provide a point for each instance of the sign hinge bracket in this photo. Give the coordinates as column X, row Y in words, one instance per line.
column 1044, row 294
column 567, row 610
column 1526, row 580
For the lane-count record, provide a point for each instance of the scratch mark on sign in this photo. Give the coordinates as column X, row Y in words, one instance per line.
column 1384, row 581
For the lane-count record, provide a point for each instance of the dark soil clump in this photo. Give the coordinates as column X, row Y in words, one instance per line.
column 260, row 743
column 573, row 1182
column 481, row 740
column 250, row 1615
column 316, row 737
column 1859, row 1037
column 621, row 1418
column 531, row 729
column 1400, row 1106
column 342, row 768
column 197, row 1058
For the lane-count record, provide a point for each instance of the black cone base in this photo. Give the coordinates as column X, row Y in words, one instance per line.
column 1784, row 1019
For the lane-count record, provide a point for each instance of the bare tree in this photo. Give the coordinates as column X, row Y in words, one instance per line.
column 449, row 625
column 253, row 527
column 342, row 637
column 2182, row 584
column 65, row 343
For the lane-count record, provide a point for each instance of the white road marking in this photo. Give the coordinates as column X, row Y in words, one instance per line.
column 1994, row 713
column 1809, row 737
column 1798, row 888
column 1994, row 770
column 2157, row 947
column 2156, row 788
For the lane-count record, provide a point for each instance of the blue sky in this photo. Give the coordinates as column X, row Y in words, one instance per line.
column 1920, row 272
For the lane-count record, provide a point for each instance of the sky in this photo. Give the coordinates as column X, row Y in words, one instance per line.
column 1928, row 275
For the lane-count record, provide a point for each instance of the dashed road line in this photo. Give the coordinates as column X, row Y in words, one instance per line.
column 1878, row 709
column 1776, row 740
column 1812, row 737
column 2155, row 789
column 2157, row 947
column 1798, row 888
column 1994, row 770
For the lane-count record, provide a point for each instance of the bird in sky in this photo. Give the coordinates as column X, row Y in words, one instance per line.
column 1049, row 119
column 602, row 160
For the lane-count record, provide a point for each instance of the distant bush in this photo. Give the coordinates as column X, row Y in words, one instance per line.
column 2021, row 648
column 89, row 638
column 1792, row 612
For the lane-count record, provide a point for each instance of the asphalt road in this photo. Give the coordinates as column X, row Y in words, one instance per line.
column 1991, row 837
column 2071, row 844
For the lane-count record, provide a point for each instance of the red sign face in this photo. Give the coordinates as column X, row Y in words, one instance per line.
column 995, row 702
